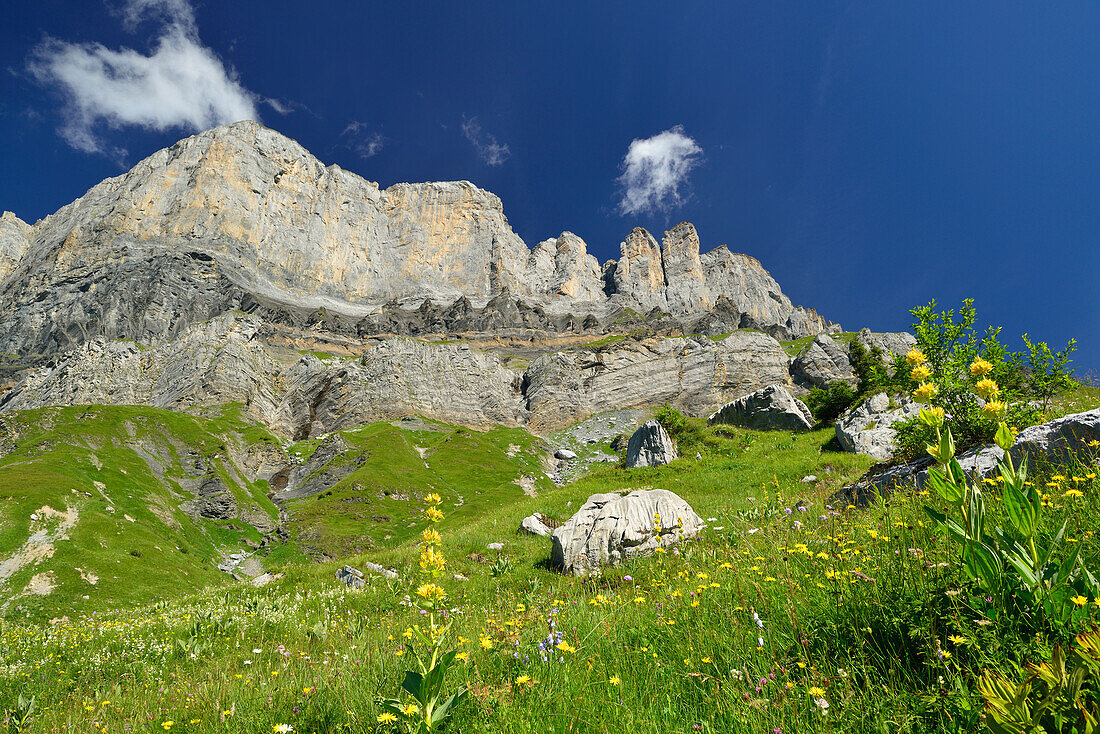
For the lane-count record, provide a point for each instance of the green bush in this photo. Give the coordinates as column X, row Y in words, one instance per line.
column 952, row 363
column 828, row 403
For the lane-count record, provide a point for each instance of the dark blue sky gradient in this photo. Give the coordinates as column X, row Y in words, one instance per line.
column 872, row 155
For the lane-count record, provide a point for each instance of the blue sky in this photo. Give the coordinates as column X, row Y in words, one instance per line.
column 872, row 155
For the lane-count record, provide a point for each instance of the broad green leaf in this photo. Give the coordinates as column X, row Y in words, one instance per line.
column 953, row 528
column 1023, row 567
column 982, row 562
column 1020, row 511
column 1004, row 437
column 414, row 684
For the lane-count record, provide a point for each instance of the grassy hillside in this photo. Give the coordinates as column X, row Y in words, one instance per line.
column 376, row 505
column 90, row 505
column 784, row 614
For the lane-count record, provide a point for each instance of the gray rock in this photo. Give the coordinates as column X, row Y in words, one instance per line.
column 978, row 463
column 650, row 445
column 495, row 546
column 565, row 454
column 1059, row 441
column 692, row 374
column 381, row 570
column 868, row 428
column 809, row 479
column 352, row 577
column 769, row 409
column 610, row 528
column 822, row 362
column 892, row 344
column 535, row 525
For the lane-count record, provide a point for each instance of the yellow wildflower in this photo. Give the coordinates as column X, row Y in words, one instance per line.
column 565, row 647
column 915, row 357
column 523, row 679
column 1074, row 493
column 614, row 680
column 920, row 373
column 386, row 718
column 432, row 592
column 926, row 391
column 1080, row 600
column 986, row 389
column 979, row 367
column 409, row 709
column 994, row 408
column 433, row 498
column 817, row 692
column 431, row 537
column 433, row 514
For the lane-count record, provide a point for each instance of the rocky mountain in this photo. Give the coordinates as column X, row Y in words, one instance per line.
column 241, row 217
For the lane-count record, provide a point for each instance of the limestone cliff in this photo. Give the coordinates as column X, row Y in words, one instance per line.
column 240, row 217
column 14, row 234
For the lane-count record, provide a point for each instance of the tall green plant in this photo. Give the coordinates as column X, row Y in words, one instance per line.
column 430, row 706
column 1008, row 561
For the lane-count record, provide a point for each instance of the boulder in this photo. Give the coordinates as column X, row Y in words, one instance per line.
column 891, row 343
column 868, row 428
column 769, row 409
column 650, row 446
column 1057, row 441
column 535, row 525
column 352, row 577
column 565, row 454
column 610, row 528
column 978, row 463
column 822, row 362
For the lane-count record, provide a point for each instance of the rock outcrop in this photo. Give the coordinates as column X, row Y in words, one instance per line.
column 241, row 217
column 1060, row 440
column 822, row 362
column 610, row 528
column 868, row 428
column 692, row 374
column 769, row 409
column 892, row 344
column 1063, row 440
column 650, row 445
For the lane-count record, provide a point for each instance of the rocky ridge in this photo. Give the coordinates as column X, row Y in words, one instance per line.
column 241, row 217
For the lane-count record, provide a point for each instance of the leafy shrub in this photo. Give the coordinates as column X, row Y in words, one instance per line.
column 976, row 381
column 828, row 403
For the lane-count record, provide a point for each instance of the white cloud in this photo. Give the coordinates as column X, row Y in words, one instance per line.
column 180, row 84
column 654, row 170
column 490, row 151
column 366, row 144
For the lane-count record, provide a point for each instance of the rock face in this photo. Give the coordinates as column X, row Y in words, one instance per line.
column 822, row 362
column 14, row 237
column 610, row 528
column 692, row 374
column 867, row 429
column 650, row 445
column 230, row 360
column 769, row 409
column 241, row 217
